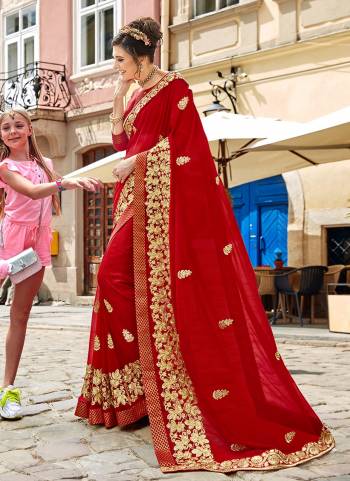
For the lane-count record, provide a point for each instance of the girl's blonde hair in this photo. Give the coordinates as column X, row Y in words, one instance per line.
column 34, row 152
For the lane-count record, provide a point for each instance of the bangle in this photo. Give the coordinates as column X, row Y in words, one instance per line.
column 59, row 185
column 115, row 120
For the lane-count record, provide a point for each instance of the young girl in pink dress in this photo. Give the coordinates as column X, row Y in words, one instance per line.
column 28, row 189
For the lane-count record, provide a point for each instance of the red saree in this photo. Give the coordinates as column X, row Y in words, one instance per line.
column 178, row 329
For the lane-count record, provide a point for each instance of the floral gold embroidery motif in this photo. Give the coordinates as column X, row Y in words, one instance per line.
column 217, row 180
column 277, row 356
column 127, row 335
column 182, row 104
column 220, row 393
column 108, row 306
column 184, row 273
column 110, row 342
column 227, row 249
column 183, row 160
column 225, row 323
column 289, row 436
column 97, row 306
column 237, row 447
column 126, row 197
column 130, row 119
column 118, row 388
column 97, row 344
column 185, row 424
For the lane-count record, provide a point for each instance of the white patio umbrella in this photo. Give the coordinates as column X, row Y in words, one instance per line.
column 229, row 133
column 240, row 130
column 101, row 169
column 322, row 140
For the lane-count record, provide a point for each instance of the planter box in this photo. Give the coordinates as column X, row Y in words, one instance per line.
column 338, row 310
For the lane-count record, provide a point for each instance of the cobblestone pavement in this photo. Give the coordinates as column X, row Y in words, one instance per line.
column 49, row 443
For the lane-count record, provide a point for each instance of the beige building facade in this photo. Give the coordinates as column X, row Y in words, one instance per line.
column 296, row 57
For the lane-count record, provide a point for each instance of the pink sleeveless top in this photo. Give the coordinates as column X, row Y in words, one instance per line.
column 20, row 208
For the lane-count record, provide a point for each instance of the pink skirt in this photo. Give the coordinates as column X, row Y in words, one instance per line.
column 19, row 236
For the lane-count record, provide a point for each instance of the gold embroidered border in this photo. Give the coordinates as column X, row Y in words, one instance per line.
column 185, row 425
column 130, row 118
column 111, row 417
column 125, row 199
column 118, row 388
column 150, row 381
column 271, row 459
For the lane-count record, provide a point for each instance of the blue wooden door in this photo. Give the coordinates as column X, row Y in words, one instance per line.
column 261, row 210
column 273, row 233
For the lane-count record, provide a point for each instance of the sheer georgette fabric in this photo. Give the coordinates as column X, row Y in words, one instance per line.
column 178, row 329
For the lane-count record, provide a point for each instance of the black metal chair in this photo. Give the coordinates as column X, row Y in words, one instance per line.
column 305, row 281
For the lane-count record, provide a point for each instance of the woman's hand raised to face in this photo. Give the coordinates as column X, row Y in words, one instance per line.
column 124, row 168
column 88, row 183
column 121, row 87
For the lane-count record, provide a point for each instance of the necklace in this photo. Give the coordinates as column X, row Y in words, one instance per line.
column 149, row 76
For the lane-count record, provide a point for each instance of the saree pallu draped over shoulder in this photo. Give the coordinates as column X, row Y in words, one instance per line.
column 204, row 364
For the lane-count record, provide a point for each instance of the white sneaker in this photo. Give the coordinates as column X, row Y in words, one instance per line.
column 10, row 403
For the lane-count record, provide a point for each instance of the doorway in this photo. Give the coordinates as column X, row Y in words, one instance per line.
column 98, row 222
column 261, row 210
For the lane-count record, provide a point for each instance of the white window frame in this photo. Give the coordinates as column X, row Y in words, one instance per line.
column 20, row 36
column 100, row 6
column 217, row 8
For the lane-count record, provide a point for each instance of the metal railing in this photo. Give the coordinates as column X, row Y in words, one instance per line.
column 37, row 85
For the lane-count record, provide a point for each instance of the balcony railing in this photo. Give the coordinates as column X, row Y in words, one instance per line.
column 37, row 85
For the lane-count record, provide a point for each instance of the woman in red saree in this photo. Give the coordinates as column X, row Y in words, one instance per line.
column 178, row 329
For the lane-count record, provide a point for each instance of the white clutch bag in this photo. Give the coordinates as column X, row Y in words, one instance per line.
column 24, row 265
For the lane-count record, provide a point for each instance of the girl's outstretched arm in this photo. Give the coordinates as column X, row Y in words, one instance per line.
column 38, row 191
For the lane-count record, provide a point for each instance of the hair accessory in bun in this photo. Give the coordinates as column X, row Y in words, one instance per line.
column 137, row 34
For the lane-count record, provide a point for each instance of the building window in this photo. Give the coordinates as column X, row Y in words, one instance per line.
column 201, row 7
column 338, row 245
column 21, row 39
column 98, row 20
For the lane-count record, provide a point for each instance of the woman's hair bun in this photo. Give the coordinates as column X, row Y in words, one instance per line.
column 150, row 27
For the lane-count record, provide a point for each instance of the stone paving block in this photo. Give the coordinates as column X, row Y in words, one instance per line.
column 337, row 478
column 41, row 388
column 144, row 434
column 111, row 462
column 332, row 458
column 50, row 397
column 103, row 440
column 61, row 449
column 62, row 432
column 14, row 476
column 50, row 472
column 18, row 459
column 129, row 476
column 27, row 422
column 146, row 452
column 35, row 409
column 68, row 404
column 68, row 416
column 67, row 465
column 13, row 440
column 333, row 470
